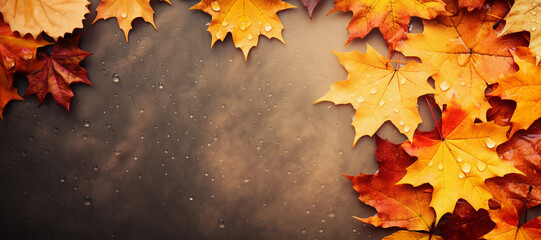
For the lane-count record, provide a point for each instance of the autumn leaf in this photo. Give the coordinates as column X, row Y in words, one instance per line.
column 54, row 17
column 401, row 206
column 524, row 88
column 501, row 111
column 508, row 225
column 59, row 70
column 471, row 4
column 524, row 17
column 466, row 224
column 379, row 92
column 457, row 160
column 407, row 235
column 391, row 17
column 310, row 5
column 18, row 55
column 244, row 19
column 125, row 11
column 466, row 54
column 523, row 150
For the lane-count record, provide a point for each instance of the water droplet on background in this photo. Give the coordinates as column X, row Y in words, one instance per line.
column 116, row 78
column 87, row 201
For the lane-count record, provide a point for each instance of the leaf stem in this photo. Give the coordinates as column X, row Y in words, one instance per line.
column 501, row 18
column 434, row 117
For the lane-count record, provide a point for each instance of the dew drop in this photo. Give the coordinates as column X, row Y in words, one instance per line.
column 86, row 123
column 221, row 223
column 215, row 5
column 190, row 197
column 9, row 63
column 244, row 25
column 466, row 167
column 219, row 34
column 268, row 27
column 402, row 80
column 225, row 23
column 462, row 83
column 27, row 54
column 444, row 86
column 461, row 175
column 440, row 166
column 401, row 123
column 124, row 15
column 381, row 103
column 250, row 36
column 459, row 159
column 431, row 163
column 360, row 99
column 88, row 200
column 406, row 129
column 116, row 78
column 533, row 28
column 373, row 90
column 490, row 143
column 533, row 13
column 481, row 166
column 395, row 110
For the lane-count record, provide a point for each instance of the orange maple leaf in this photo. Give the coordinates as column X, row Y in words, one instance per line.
column 407, row 235
column 509, row 227
column 525, row 15
column 17, row 54
column 244, row 19
column 379, row 92
column 457, row 160
column 471, row 4
column 54, row 17
column 125, row 11
column 401, row 206
column 389, row 16
column 466, row 54
column 524, row 88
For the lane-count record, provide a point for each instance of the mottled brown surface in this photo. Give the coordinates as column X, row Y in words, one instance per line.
column 191, row 135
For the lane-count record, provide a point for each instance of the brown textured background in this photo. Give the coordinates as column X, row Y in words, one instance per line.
column 191, row 138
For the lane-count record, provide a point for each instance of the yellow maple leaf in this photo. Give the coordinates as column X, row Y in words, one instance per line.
column 379, row 92
column 466, row 54
column 457, row 160
column 525, row 15
column 125, row 11
column 244, row 19
column 54, row 17
column 407, row 235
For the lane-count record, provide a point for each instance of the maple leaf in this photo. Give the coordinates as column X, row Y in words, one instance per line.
column 508, row 225
column 18, row 55
column 59, row 70
column 524, row 17
column 244, row 19
column 310, row 5
column 54, row 17
column 471, row 4
column 401, row 206
column 466, row 224
column 125, row 11
column 467, row 55
column 457, row 160
column 524, row 151
column 379, row 92
column 389, row 16
column 407, row 235
column 523, row 87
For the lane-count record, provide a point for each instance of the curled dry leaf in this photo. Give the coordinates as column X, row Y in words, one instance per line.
column 466, row 54
column 244, row 19
column 379, row 92
column 54, row 17
column 125, row 11
column 457, row 160
column 391, row 17
column 59, row 70
column 402, row 205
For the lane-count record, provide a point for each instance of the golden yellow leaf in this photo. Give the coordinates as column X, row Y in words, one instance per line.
column 457, row 160
column 525, row 15
column 379, row 92
column 125, row 11
column 244, row 19
column 466, row 54
column 54, row 17
column 407, row 235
